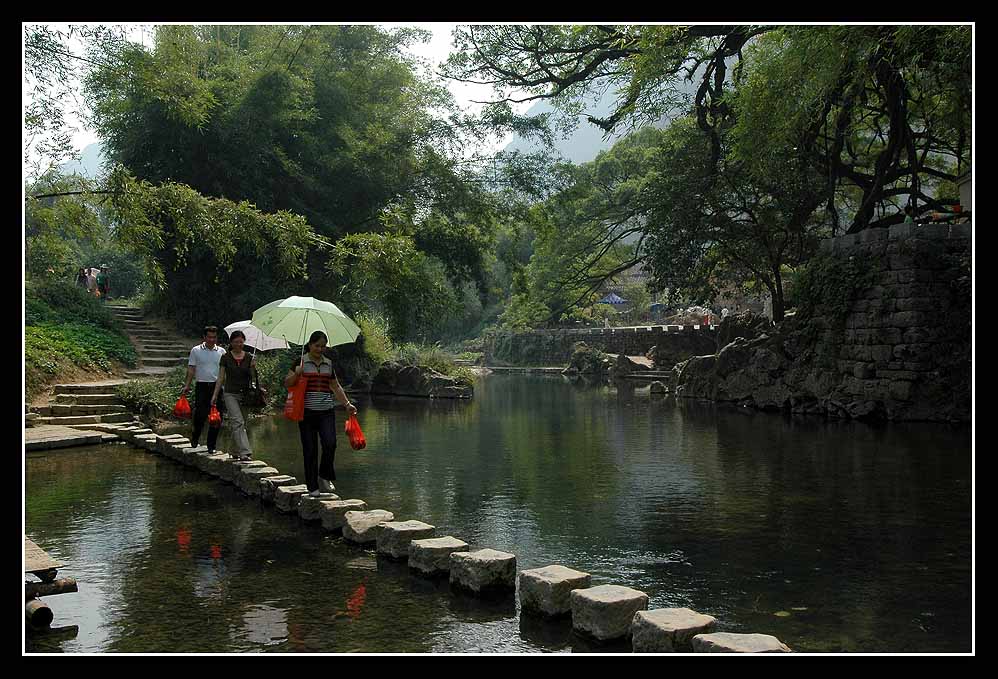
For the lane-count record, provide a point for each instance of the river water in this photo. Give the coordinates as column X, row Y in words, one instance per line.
column 832, row 536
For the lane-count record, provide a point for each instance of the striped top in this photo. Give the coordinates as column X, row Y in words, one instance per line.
column 319, row 392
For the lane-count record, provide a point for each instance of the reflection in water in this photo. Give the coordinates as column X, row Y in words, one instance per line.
column 264, row 625
column 830, row 535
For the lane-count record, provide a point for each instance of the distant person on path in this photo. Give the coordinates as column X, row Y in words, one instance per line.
column 203, row 366
column 319, row 421
column 724, row 313
column 104, row 281
column 92, row 281
column 81, row 278
column 235, row 373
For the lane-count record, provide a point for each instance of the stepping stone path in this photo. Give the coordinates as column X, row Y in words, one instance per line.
column 362, row 528
column 331, row 512
column 484, row 572
column 432, row 556
column 727, row 642
column 309, row 507
column 395, row 536
column 546, row 591
column 605, row 612
column 668, row 630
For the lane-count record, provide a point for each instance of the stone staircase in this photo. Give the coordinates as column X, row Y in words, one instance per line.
column 76, row 404
column 97, row 403
column 158, row 351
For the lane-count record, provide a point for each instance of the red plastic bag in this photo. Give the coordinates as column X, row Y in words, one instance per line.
column 294, row 406
column 182, row 409
column 356, row 436
column 214, row 418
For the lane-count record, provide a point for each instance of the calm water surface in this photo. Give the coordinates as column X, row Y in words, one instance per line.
column 830, row 536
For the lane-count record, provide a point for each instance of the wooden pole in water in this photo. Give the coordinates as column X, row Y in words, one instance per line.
column 60, row 586
column 37, row 614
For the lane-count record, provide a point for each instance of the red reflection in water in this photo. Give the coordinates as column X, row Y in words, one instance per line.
column 183, row 539
column 356, row 601
column 216, row 552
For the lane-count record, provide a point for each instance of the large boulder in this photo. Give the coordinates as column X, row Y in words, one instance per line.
column 695, row 378
column 411, row 380
column 624, row 365
column 746, row 325
column 586, row 360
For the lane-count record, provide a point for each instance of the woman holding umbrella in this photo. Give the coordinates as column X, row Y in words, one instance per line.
column 319, row 421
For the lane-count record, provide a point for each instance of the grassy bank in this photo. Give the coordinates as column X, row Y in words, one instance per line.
column 67, row 331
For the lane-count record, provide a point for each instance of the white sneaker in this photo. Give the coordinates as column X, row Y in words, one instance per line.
column 326, row 486
column 314, row 493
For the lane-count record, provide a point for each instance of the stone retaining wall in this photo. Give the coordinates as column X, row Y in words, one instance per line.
column 903, row 351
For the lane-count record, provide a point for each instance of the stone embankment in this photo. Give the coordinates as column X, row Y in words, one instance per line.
column 606, row 612
column 672, row 344
column 898, row 349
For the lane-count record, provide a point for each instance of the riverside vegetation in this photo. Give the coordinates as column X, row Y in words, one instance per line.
column 65, row 328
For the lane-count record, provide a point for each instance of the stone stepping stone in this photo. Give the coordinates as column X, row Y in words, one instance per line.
column 606, row 612
column 668, row 630
column 248, row 480
column 485, row 572
column 229, row 469
column 204, row 461
column 270, row 484
column 188, row 454
column 362, row 528
column 308, row 506
column 394, row 538
column 727, row 642
column 432, row 555
column 286, row 498
column 331, row 512
column 547, row 591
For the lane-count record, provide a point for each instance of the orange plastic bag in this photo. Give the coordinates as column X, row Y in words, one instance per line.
column 214, row 418
column 356, row 436
column 182, row 409
column 294, row 405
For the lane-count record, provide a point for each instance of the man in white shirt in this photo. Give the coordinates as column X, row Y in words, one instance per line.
column 203, row 366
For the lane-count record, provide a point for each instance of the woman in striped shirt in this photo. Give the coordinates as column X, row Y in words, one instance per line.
column 319, row 421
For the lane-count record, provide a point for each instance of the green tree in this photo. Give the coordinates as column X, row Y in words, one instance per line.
column 879, row 112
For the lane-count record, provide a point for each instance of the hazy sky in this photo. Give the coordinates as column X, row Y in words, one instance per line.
column 436, row 50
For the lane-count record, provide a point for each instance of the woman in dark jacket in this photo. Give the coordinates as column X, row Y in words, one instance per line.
column 236, row 370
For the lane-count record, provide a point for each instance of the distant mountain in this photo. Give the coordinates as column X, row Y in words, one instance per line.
column 587, row 140
column 90, row 164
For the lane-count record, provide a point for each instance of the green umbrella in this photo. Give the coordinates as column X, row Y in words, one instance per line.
column 296, row 318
